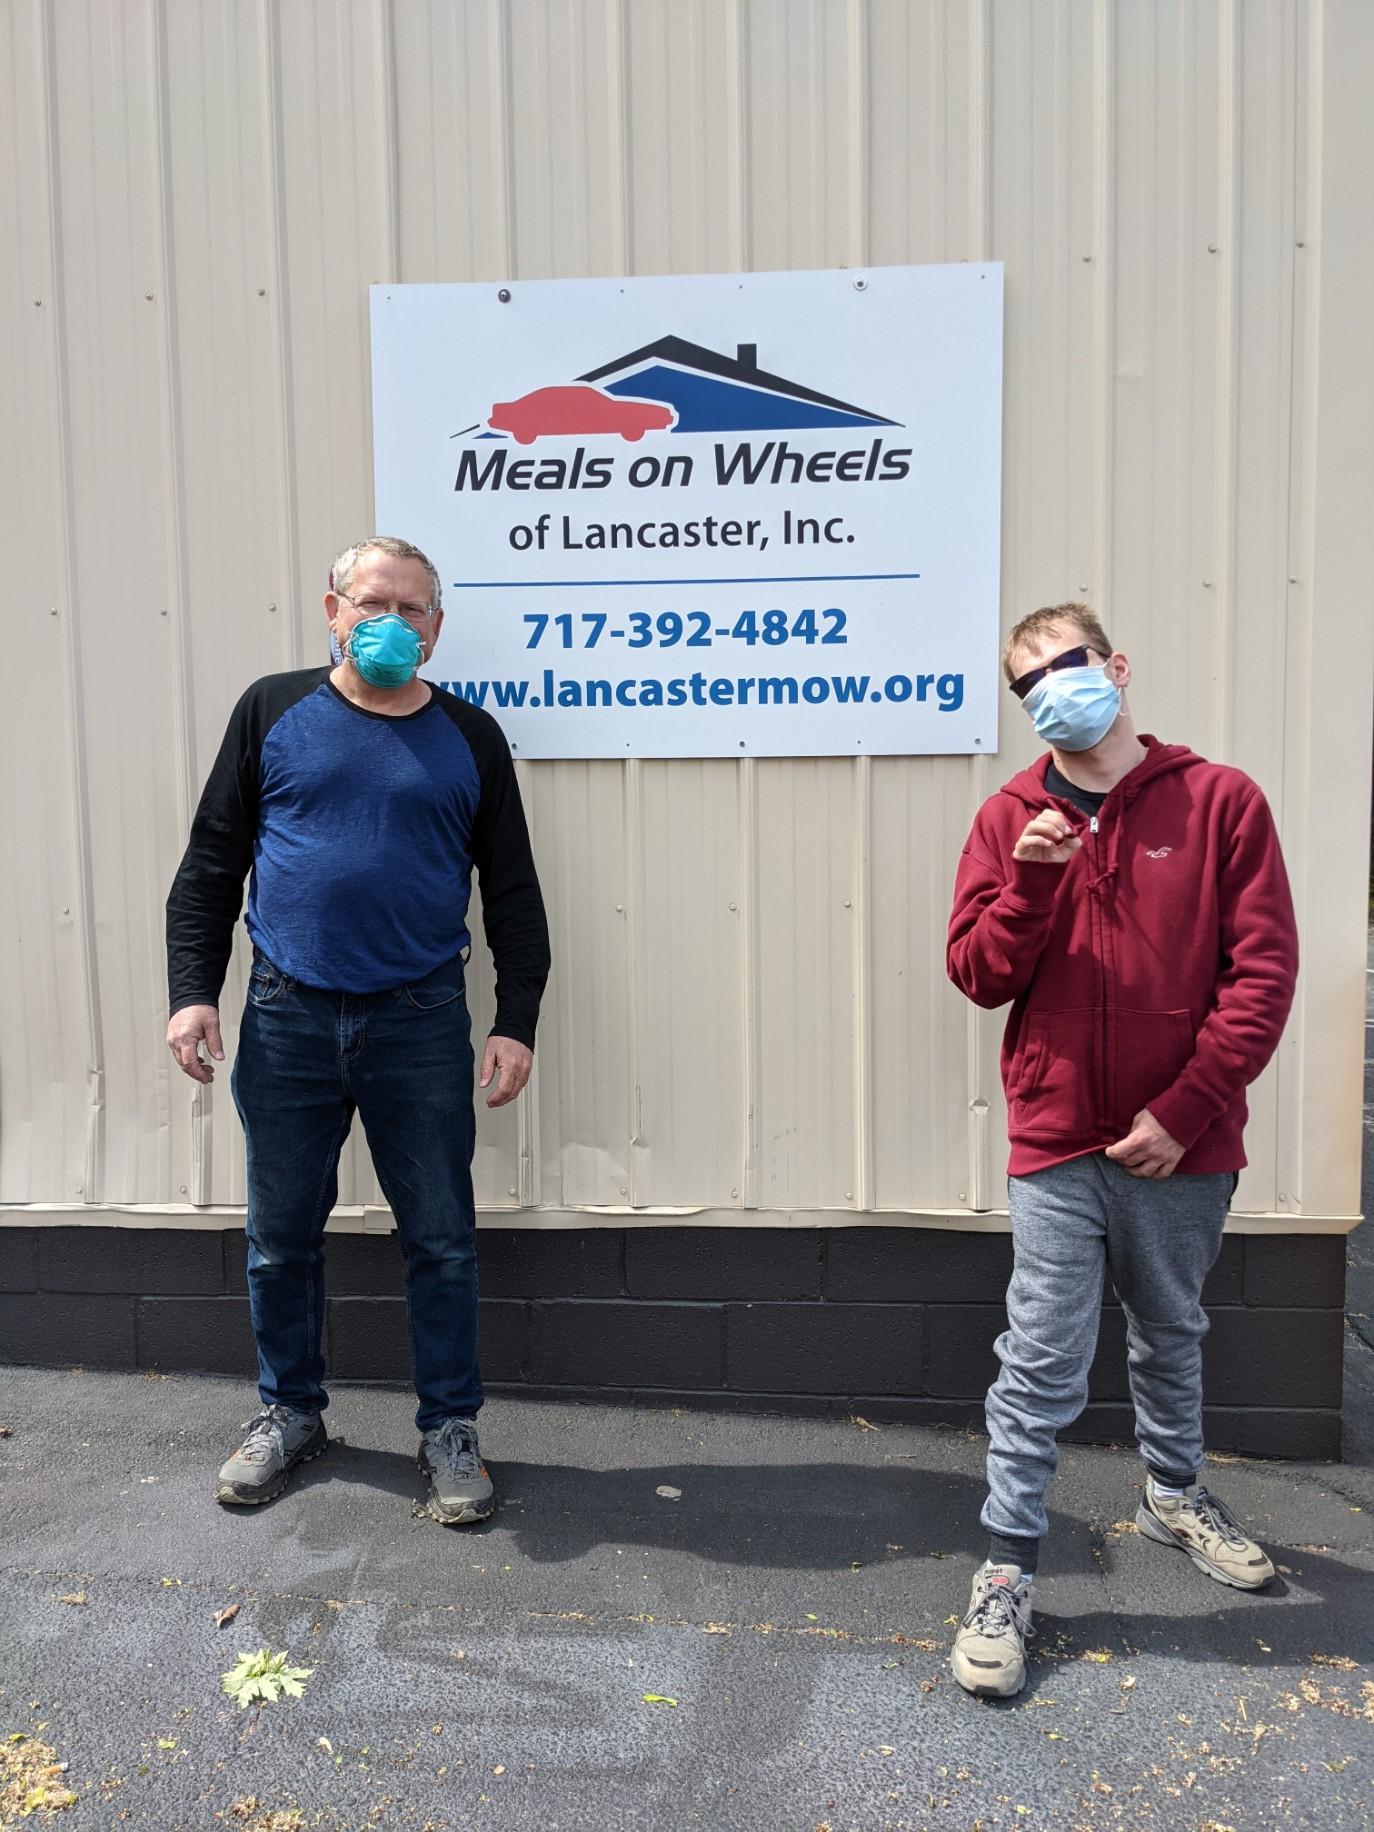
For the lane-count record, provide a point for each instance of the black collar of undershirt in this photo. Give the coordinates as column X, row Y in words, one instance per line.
column 1087, row 801
column 387, row 718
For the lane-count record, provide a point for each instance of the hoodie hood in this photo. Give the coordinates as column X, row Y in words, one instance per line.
column 1028, row 786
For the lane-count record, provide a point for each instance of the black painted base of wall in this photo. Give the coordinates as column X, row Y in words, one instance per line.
column 892, row 1323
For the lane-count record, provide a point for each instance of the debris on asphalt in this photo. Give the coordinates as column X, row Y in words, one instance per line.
column 29, row 1771
column 257, row 1816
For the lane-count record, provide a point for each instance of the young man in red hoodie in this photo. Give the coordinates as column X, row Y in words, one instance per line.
column 1128, row 899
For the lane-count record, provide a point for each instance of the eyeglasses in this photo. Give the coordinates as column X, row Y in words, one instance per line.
column 380, row 607
column 1071, row 658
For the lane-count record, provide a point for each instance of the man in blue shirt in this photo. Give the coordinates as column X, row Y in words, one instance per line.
column 361, row 797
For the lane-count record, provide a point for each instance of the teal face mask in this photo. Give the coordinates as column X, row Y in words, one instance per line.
column 386, row 651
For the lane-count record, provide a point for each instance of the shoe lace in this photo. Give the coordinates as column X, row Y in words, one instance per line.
column 1000, row 1610
column 1218, row 1518
column 455, row 1441
column 266, row 1434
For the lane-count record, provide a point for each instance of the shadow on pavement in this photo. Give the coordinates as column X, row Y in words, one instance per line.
column 837, row 1517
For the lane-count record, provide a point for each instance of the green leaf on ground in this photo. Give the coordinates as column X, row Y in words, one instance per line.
column 263, row 1678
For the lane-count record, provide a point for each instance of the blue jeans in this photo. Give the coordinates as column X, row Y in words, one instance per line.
column 307, row 1061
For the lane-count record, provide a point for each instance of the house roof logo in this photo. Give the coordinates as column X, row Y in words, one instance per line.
column 673, row 385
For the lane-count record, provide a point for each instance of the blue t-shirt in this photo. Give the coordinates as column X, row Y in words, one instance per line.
column 362, row 832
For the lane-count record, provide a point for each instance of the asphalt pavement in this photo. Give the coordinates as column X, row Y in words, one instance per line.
column 675, row 1620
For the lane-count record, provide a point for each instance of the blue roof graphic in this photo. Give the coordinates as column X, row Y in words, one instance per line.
column 715, row 393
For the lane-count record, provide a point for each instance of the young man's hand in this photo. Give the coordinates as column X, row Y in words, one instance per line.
column 1147, row 1149
column 1048, row 839
column 510, row 1063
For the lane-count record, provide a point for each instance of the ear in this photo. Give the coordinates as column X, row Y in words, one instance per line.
column 332, row 601
column 1118, row 669
column 432, row 636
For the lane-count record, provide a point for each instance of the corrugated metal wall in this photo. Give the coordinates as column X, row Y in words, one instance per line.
column 749, row 1010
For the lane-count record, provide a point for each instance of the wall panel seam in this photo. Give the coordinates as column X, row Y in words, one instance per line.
column 187, row 779
column 1222, row 562
column 499, row 12
column 738, row 161
column 269, row 73
column 76, row 753
column 390, row 149
column 1104, row 301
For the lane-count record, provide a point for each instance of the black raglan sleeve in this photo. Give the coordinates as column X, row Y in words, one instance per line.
column 512, row 904
column 207, row 893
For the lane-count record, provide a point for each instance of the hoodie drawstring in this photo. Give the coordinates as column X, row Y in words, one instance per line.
column 1099, row 885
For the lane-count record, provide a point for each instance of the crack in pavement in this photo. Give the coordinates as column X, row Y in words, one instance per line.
column 852, row 1637
column 923, row 1644
column 1357, row 1500
column 195, row 1585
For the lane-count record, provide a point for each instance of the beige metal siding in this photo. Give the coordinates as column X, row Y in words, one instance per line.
column 749, row 1015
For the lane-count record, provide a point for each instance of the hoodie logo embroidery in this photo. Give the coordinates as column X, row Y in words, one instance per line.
column 1158, row 852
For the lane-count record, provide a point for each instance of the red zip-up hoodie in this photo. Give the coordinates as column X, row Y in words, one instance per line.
column 1155, row 969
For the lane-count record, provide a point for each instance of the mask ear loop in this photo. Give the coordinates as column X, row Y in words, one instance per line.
column 336, row 654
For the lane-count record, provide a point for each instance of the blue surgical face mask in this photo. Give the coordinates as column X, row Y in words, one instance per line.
column 386, row 651
column 1074, row 708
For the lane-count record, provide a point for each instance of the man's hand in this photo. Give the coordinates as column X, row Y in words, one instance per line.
column 1048, row 839
column 189, row 1028
column 1147, row 1150
column 510, row 1062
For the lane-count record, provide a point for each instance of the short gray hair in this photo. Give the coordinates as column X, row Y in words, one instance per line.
column 341, row 572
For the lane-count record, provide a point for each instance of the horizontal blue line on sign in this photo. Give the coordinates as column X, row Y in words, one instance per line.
column 562, row 585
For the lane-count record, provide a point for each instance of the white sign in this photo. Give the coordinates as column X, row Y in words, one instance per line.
column 705, row 516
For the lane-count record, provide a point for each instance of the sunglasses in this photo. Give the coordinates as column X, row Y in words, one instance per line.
column 1071, row 658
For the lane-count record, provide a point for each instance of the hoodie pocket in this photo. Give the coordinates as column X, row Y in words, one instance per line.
column 1149, row 1052
column 1052, row 1089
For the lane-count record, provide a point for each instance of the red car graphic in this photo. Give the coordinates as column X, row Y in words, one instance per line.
column 577, row 409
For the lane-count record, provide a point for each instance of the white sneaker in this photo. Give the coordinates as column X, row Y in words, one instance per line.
column 989, row 1653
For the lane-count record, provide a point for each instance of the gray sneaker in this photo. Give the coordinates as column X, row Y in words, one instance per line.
column 460, row 1490
column 989, row 1654
column 278, row 1439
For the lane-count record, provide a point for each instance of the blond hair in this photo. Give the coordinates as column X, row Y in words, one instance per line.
column 1080, row 617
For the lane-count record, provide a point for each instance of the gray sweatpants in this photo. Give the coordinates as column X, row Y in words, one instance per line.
column 1072, row 1224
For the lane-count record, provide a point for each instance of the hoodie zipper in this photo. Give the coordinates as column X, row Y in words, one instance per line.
column 1100, row 949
